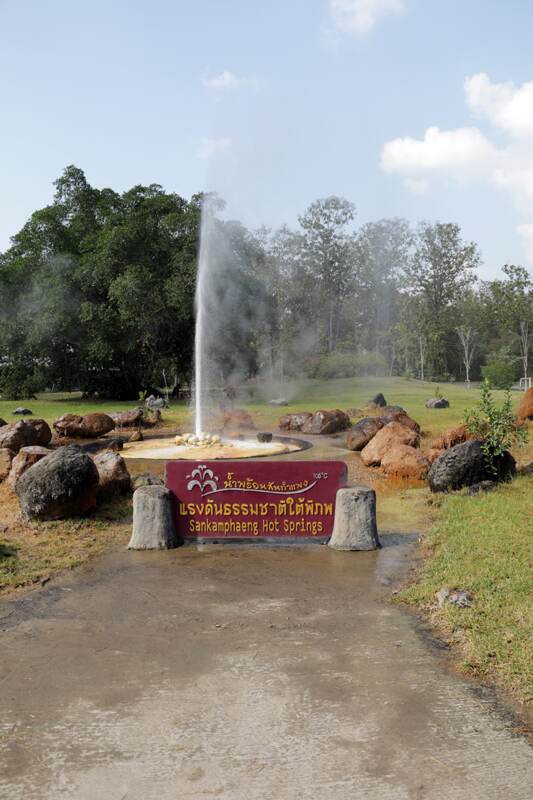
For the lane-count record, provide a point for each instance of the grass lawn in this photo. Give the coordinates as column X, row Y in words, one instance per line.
column 484, row 544
column 340, row 393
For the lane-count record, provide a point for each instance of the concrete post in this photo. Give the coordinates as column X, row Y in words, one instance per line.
column 153, row 519
column 355, row 525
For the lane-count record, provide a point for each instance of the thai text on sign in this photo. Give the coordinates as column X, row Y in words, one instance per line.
column 250, row 499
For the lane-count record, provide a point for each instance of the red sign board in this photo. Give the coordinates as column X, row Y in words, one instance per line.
column 255, row 499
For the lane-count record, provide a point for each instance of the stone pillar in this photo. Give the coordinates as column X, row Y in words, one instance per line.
column 153, row 519
column 355, row 525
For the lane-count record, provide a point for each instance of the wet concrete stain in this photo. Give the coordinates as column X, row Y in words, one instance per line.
column 240, row 672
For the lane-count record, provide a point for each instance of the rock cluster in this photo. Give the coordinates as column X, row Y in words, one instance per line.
column 200, row 440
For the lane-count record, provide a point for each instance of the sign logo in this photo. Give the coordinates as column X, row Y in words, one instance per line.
column 251, row 499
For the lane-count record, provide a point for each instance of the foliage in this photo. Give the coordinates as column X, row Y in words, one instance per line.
column 346, row 365
column 497, row 426
column 499, row 373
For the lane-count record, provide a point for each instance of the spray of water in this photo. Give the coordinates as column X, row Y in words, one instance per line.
column 200, row 330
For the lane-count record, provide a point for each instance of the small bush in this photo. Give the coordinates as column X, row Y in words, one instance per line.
column 499, row 374
column 497, row 427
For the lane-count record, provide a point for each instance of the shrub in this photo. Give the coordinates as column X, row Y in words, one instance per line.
column 499, row 374
column 497, row 427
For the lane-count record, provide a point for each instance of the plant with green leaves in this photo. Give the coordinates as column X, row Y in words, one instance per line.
column 497, row 427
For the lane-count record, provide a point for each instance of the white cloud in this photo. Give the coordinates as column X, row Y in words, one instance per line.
column 457, row 154
column 506, row 107
column 358, row 17
column 212, row 147
column 467, row 155
column 228, row 80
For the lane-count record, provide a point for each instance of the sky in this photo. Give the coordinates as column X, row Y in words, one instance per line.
column 415, row 108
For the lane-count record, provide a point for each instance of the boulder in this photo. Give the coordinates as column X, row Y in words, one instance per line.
column 146, row 479
column 361, row 433
column 326, row 422
column 294, row 422
column 62, row 484
column 153, row 519
column 392, row 434
column 114, row 477
column 403, row 461
column 238, row 419
column 6, row 459
column 264, row 437
column 68, row 425
column 128, row 419
column 25, row 458
column 96, row 425
column 465, row 465
column 451, row 437
column 155, row 403
column 152, row 419
column 26, row 433
column 91, row 426
column 525, row 409
column 355, row 527
column 398, row 414
column 22, row 412
column 136, row 436
column 431, row 454
column 378, row 400
column 437, row 402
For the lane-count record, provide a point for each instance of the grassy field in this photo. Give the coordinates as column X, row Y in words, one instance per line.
column 484, row 544
column 340, row 393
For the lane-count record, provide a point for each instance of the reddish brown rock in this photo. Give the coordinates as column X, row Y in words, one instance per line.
column 403, row 461
column 6, row 459
column 26, row 433
column 294, row 422
column 152, row 419
column 238, row 419
column 114, row 477
column 128, row 419
column 451, row 437
column 365, row 430
column 91, row 426
column 136, row 437
column 96, row 425
column 390, row 435
column 525, row 409
column 398, row 414
column 431, row 454
column 25, row 458
column 326, row 422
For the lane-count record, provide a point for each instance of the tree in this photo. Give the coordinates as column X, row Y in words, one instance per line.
column 326, row 252
column 466, row 337
column 438, row 273
column 512, row 307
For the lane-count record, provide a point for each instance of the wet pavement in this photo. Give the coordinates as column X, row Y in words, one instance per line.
column 240, row 673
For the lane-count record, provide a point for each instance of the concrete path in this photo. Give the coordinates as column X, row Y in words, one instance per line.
column 248, row 674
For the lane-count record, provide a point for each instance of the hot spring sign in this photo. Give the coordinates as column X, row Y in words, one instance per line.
column 218, row 500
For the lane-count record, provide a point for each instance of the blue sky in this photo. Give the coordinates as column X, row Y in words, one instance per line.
column 412, row 108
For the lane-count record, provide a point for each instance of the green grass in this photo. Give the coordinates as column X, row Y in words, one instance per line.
column 485, row 544
column 341, row 393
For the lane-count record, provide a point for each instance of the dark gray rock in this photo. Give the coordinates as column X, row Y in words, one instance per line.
column 22, row 412
column 361, row 433
column 437, row 402
column 153, row 519
column 62, row 484
column 379, row 400
column 465, row 465
column 264, row 437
